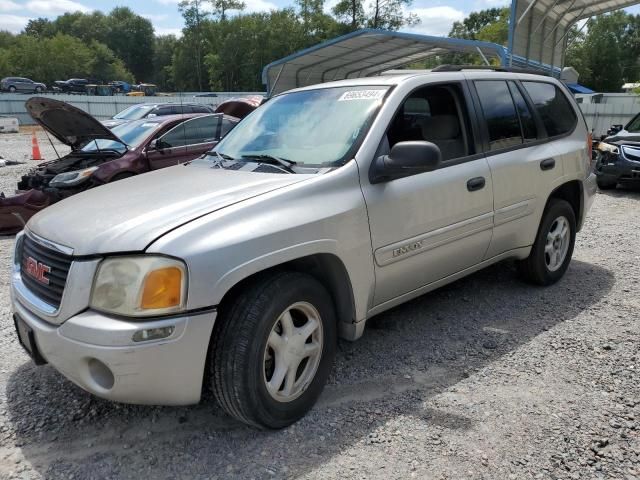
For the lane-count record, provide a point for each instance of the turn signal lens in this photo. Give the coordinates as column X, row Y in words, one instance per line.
column 162, row 289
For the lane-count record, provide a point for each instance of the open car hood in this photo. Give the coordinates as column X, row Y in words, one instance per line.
column 240, row 107
column 67, row 123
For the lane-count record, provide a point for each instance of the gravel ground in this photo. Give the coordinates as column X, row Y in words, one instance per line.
column 487, row 378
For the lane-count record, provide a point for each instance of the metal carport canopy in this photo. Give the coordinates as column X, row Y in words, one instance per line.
column 364, row 53
column 539, row 29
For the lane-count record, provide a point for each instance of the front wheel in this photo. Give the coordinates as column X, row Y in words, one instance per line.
column 552, row 250
column 12, row 89
column 273, row 349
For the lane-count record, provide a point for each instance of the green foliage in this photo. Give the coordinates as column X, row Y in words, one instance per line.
column 48, row 59
column 129, row 36
column 384, row 14
column 221, row 47
column 607, row 55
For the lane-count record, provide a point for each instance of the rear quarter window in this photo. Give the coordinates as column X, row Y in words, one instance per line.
column 553, row 107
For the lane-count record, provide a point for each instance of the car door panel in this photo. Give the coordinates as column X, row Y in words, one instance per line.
column 518, row 182
column 428, row 226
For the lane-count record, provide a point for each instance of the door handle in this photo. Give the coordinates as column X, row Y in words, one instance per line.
column 476, row 183
column 547, row 164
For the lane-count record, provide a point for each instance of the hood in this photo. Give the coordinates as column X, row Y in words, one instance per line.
column 240, row 107
column 67, row 123
column 130, row 214
column 624, row 137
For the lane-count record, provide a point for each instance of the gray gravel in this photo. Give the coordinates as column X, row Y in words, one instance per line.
column 487, row 378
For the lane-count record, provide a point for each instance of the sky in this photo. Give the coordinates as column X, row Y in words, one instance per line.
column 436, row 16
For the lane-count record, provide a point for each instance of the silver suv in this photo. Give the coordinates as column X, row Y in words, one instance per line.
column 324, row 207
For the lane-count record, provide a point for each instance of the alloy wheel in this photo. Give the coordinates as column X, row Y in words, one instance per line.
column 557, row 244
column 293, row 352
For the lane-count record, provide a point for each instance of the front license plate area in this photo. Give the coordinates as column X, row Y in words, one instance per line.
column 27, row 339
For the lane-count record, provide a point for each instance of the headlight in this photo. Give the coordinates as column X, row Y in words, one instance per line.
column 607, row 147
column 140, row 286
column 71, row 179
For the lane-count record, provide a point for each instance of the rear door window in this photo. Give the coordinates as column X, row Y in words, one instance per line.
column 527, row 122
column 553, row 107
column 192, row 132
column 503, row 123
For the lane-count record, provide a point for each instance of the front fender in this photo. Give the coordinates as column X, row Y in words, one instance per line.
column 270, row 260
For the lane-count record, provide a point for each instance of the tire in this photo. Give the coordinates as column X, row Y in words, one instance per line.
column 39, row 90
column 602, row 185
column 243, row 362
column 12, row 89
column 550, row 256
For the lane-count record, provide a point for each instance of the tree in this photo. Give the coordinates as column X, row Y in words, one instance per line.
column 131, row 38
column 194, row 16
column 351, row 11
column 607, row 55
column 40, row 28
column 471, row 26
column 221, row 7
column 391, row 14
column 384, row 14
column 165, row 45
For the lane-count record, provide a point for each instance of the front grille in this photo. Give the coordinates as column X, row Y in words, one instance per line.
column 41, row 257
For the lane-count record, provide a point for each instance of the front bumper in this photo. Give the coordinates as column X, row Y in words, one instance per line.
column 620, row 171
column 96, row 352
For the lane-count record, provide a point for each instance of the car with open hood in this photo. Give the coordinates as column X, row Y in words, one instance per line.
column 100, row 155
column 618, row 157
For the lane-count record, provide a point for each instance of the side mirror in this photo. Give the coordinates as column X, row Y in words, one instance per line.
column 405, row 159
column 153, row 145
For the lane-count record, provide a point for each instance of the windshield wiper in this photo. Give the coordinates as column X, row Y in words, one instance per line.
column 221, row 156
column 286, row 164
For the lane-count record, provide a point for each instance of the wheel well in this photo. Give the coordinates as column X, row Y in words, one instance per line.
column 572, row 193
column 326, row 268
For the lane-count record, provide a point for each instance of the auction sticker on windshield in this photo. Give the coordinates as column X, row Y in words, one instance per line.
column 362, row 95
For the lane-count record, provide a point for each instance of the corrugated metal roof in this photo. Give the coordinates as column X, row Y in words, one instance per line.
column 364, row 53
column 539, row 29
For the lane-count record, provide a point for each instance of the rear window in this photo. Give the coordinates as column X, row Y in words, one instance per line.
column 553, row 107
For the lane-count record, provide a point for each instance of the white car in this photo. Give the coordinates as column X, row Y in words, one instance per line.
column 324, row 207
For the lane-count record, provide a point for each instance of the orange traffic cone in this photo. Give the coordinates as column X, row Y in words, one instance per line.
column 35, row 149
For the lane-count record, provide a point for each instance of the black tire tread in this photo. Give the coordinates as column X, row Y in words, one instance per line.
column 232, row 337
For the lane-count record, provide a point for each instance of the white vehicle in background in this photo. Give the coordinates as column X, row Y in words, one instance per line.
column 325, row 206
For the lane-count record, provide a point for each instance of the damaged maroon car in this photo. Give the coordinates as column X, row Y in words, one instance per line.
column 100, row 155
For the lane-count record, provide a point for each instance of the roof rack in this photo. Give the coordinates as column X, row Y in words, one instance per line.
column 459, row 68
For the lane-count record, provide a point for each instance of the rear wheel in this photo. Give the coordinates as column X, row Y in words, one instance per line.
column 39, row 90
column 551, row 253
column 12, row 89
column 274, row 349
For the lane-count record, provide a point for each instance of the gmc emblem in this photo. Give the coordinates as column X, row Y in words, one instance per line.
column 37, row 270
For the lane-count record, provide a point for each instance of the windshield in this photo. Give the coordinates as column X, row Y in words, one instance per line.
column 634, row 125
column 135, row 112
column 313, row 128
column 132, row 134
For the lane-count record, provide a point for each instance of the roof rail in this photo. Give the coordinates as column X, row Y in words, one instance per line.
column 459, row 68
